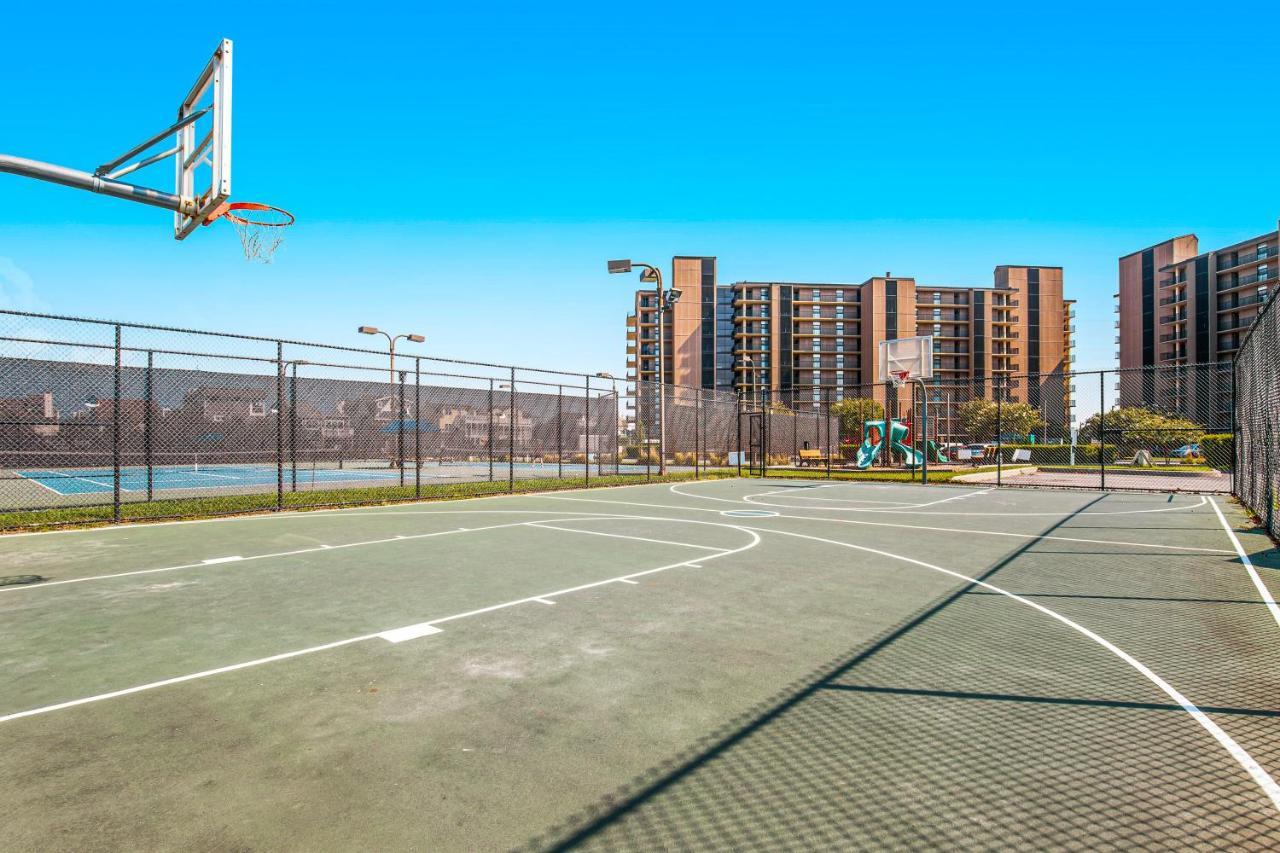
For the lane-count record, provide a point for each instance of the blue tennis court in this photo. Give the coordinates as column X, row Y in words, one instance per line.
column 78, row 481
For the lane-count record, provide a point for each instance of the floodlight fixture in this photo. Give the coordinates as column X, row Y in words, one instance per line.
column 619, row 266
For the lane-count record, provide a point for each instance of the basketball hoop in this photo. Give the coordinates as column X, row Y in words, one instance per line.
column 260, row 226
column 899, row 377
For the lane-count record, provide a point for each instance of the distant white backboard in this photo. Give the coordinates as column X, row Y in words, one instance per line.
column 914, row 356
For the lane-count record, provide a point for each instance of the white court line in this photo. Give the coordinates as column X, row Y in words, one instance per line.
column 908, row 510
column 60, row 476
column 1255, row 770
column 181, row 678
column 550, row 526
column 421, row 627
column 965, row 531
column 294, row 553
column 1248, row 565
column 215, row 560
column 36, row 480
column 203, row 474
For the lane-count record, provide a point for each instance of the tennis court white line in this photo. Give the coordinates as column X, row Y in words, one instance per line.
column 294, row 553
column 964, row 531
column 36, row 480
column 1246, row 761
column 206, row 474
column 1248, row 565
column 60, row 476
column 393, row 635
column 550, row 526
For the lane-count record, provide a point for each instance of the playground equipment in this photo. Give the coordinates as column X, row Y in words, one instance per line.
column 873, row 441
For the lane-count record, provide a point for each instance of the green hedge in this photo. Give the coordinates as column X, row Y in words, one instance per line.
column 1059, row 454
column 1217, row 451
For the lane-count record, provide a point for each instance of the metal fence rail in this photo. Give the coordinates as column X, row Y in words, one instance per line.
column 108, row 421
column 1257, row 415
column 1133, row 429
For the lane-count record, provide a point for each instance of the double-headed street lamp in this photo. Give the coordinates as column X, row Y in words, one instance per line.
column 666, row 301
column 391, row 344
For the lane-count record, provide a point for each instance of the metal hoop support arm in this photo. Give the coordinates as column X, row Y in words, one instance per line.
column 85, row 181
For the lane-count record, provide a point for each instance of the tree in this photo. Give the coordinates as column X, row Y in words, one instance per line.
column 854, row 411
column 979, row 418
column 1136, row 425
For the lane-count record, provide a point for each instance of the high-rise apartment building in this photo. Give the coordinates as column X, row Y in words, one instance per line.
column 803, row 344
column 1177, row 306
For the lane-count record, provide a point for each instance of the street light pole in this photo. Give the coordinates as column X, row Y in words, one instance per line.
column 653, row 274
column 391, row 344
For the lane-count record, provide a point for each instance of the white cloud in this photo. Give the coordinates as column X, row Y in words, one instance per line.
column 17, row 290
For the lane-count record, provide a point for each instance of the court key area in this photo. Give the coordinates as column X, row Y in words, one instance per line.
column 730, row 664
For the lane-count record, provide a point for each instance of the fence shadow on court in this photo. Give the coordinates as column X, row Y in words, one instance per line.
column 930, row 736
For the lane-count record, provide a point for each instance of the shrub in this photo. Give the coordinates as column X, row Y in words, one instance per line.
column 1060, row 454
column 1217, row 450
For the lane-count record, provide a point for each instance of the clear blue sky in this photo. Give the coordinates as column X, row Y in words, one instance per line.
column 465, row 170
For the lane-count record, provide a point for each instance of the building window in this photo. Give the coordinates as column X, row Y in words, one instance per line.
column 1264, row 250
column 817, row 361
column 839, row 296
column 1263, row 272
column 937, row 313
column 839, row 377
column 937, row 329
column 839, row 394
column 815, row 311
column 817, row 328
column 840, row 361
column 817, row 345
column 840, row 311
column 817, row 295
column 839, row 344
column 937, row 299
column 817, row 395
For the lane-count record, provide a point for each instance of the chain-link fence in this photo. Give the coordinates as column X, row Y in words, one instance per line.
column 1151, row 429
column 105, row 421
column 1257, row 407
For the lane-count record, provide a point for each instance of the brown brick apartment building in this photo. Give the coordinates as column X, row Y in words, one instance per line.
column 807, row 343
column 1179, row 306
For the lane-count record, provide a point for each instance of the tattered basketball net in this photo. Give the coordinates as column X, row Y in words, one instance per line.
column 899, row 377
column 261, row 227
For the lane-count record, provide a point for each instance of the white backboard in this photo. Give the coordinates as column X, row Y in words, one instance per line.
column 203, row 159
column 914, row 355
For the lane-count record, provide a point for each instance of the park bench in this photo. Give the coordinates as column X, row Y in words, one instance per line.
column 812, row 457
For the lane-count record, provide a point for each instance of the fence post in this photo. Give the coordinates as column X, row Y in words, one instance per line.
column 400, row 428
column 999, row 428
column 586, row 432
column 924, row 433
column 147, row 426
column 293, row 428
column 115, row 436
column 795, row 430
column 738, row 410
column 697, row 415
column 417, row 427
column 490, row 430
column 559, row 431
column 279, row 425
column 511, row 437
column 1233, row 422
column 1102, row 431
column 827, row 417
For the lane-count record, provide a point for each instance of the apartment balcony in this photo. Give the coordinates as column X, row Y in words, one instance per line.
column 1005, row 352
column 1008, row 303
column 1245, row 260
column 795, row 300
column 827, row 363
column 929, row 303
column 1256, row 299
column 1176, row 317
column 758, row 314
column 1173, row 282
column 1004, row 336
column 1175, row 336
column 1171, row 300
column 749, row 300
column 1237, row 324
column 1244, row 281
column 943, row 317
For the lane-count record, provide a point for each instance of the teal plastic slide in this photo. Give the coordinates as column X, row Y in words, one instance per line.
column 936, row 454
column 873, row 441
